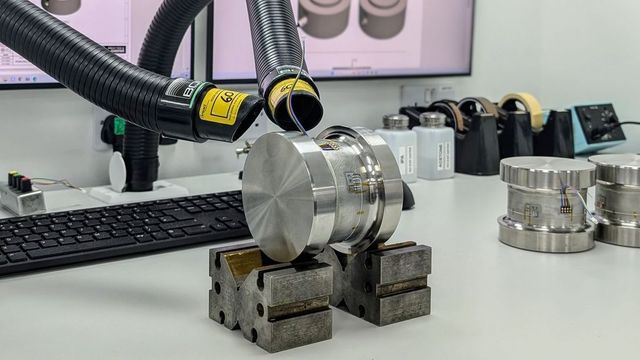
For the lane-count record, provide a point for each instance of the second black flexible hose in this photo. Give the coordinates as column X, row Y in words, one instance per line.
column 158, row 53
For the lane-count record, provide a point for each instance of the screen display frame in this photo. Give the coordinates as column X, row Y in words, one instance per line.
column 57, row 85
column 210, row 49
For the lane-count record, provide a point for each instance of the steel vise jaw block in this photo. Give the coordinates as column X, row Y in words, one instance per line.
column 384, row 285
column 276, row 306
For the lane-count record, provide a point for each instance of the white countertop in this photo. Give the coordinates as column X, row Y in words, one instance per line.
column 490, row 301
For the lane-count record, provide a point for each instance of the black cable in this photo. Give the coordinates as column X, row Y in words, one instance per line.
column 598, row 134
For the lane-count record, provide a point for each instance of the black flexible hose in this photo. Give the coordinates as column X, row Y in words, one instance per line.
column 278, row 54
column 158, row 54
column 178, row 108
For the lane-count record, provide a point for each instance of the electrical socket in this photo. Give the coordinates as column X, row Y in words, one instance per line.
column 424, row 95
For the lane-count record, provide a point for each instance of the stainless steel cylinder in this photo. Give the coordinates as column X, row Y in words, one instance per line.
column 382, row 19
column 61, row 7
column 618, row 199
column 301, row 194
column 324, row 19
column 545, row 212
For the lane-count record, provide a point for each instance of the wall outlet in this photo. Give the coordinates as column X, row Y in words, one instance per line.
column 99, row 116
column 424, row 95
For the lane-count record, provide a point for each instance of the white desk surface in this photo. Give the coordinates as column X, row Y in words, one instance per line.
column 490, row 301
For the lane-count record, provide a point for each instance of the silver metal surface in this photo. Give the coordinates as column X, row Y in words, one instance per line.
column 396, row 122
column 22, row 204
column 383, row 19
column 276, row 306
column 547, row 173
column 618, row 199
column 300, row 194
column 324, row 19
column 433, row 120
column 621, row 169
column 513, row 234
column 383, row 286
column 545, row 210
column 61, row 7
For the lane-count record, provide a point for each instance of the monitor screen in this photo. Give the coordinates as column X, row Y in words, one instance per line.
column 347, row 39
column 119, row 25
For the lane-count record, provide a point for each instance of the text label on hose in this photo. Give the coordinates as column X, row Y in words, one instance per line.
column 176, row 108
column 221, row 106
column 282, row 89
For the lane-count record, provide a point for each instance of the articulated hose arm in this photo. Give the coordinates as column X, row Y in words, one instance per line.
column 178, row 108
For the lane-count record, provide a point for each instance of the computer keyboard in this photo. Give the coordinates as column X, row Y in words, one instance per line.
column 64, row 238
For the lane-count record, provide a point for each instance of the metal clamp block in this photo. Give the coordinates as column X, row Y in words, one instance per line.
column 384, row 285
column 277, row 306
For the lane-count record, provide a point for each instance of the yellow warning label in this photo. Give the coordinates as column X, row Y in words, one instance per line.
column 222, row 106
column 282, row 91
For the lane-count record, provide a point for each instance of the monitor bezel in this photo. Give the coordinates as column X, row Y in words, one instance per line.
column 210, row 46
column 57, row 85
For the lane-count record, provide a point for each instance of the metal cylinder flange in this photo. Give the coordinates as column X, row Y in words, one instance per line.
column 546, row 210
column 618, row 199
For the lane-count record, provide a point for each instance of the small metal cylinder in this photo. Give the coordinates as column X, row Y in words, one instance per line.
column 395, row 122
column 61, row 7
column 382, row 19
column 324, row 19
column 618, row 199
column 545, row 210
column 301, row 194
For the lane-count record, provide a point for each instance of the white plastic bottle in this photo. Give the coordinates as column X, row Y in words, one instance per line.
column 436, row 147
column 403, row 143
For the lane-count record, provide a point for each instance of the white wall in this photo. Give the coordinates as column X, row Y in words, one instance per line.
column 45, row 133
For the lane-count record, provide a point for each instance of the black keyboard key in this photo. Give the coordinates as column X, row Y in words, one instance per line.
column 177, row 233
column 92, row 222
column 85, row 230
column 60, row 220
column 151, row 221
column 69, row 233
column 151, row 229
column 77, row 248
column 157, row 214
column 143, row 238
column 124, row 218
column 167, row 219
column 193, row 210
column 208, row 208
column 10, row 249
column 136, row 223
column 67, row 241
column 140, row 216
column 160, row 235
column 218, row 226
column 78, row 217
column 119, row 233
column 180, row 224
column 84, row 238
column 197, row 230
column 75, row 225
column 120, row 226
column 57, row 227
column 221, row 206
column 25, row 224
column 13, row 241
column 3, row 260
column 17, row 257
column 136, row 231
column 48, row 243
column 224, row 218
column 29, row 246
column 43, row 222
column 101, row 236
column 7, row 227
column 22, row 232
column 233, row 225
column 41, row 229
column 33, row 238
column 179, row 214
column 5, row 234
column 102, row 228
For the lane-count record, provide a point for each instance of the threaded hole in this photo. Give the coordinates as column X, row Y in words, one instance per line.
column 260, row 309
column 216, row 287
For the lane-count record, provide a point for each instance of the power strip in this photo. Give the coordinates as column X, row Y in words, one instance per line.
column 20, row 197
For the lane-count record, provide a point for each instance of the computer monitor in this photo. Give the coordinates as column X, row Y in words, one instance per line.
column 354, row 39
column 119, row 25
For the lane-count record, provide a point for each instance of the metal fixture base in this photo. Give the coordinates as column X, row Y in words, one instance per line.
column 514, row 235
column 621, row 235
column 276, row 306
column 385, row 285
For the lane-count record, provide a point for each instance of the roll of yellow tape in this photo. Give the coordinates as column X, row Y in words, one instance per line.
column 530, row 103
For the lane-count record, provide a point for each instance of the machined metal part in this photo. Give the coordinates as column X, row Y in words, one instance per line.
column 546, row 212
column 301, row 194
column 324, row 19
column 62, row 7
column 383, row 19
column 385, row 285
column 22, row 204
column 276, row 306
column 618, row 199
